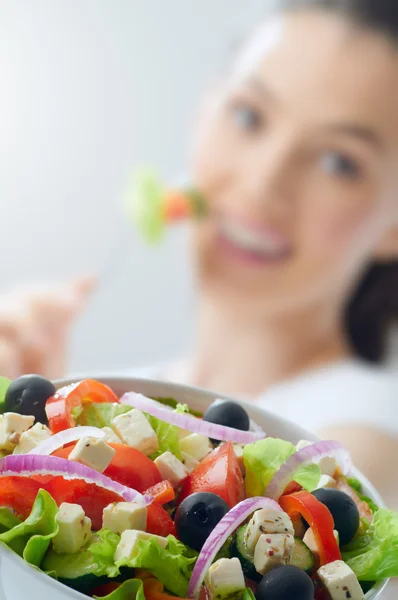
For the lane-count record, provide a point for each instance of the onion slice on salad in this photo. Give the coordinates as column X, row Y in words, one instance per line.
column 24, row 465
column 59, row 440
column 190, row 423
column 306, row 456
column 228, row 524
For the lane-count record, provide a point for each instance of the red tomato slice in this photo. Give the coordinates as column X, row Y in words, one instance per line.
column 218, row 473
column 159, row 521
column 162, row 492
column 128, row 466
column 19, row 494
column 91, row 498
column 60, row 406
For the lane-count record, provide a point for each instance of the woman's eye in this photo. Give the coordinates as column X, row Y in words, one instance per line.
column 246, row 117
column 339, row 165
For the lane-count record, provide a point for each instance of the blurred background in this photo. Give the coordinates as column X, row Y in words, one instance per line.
column 90, row 89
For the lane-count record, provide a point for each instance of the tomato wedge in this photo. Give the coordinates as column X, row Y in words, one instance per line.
column 159, row 521
column 319, row 518
column 19, row 494
column 162, row 492
column 129, row 467
column 154, row 590
column 218, row 473
column 59, row 408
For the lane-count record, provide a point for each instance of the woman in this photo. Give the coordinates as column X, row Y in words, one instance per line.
column 297, row 264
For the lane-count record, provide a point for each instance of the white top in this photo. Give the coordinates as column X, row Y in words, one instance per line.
column 349, row 392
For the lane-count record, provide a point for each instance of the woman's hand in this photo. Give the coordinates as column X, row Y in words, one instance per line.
column 34, row 327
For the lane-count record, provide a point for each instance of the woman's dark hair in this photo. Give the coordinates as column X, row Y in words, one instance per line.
column 373, row 308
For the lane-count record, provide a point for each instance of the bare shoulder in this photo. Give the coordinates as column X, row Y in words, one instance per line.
column 374, row 452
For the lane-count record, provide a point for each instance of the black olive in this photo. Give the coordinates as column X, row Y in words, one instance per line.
column 285, row 583
column 229, row 414
column 197, row 516
column 28, row 395
column 344, row 512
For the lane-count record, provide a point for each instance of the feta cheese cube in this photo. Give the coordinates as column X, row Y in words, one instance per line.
column 32, row 438
column 340, row 581
column 310, row 542
column 225, row 579
column 120, row 516
column 135, row 430
column 93, row 453
column 189, row 461
column 74, row 529
column 110, row 436
column 171, row 468
column 273, row 550
column 239, row 455
column 12, row 425
column 266, row 520
column 326, row 482
column 196, row 445
column 128, row 546
column 327, row 465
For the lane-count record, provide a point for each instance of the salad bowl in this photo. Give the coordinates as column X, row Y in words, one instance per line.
column 20, row 581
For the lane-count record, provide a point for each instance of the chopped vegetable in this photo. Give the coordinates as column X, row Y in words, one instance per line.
column 61, row 408
column 263, row 459
column 319, row 519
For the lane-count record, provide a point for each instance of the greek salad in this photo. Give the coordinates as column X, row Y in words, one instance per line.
column 137, row 498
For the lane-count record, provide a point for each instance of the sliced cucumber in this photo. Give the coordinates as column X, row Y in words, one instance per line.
column 239, row 550
column 302, row 556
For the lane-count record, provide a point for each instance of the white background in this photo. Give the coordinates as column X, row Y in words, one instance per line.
column 88, row 90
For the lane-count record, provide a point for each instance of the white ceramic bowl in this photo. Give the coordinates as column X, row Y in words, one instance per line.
column 19, row 581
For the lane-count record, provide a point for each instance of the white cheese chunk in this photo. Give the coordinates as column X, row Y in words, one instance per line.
column 189, row 461
column 12, row 425
column 32, row 438
column 340, row 581
column 225, row 579
column 266, row 520
column 120, row 516
column 327, row 465
column 135, row 430
column 110, row 436
column 127, row 548
column 273, row 550
column 94, row 453
column 310, row 542
column 326, row 482
column 74, row 529
column 196, row 445
column 171, row 468
column 239, row 455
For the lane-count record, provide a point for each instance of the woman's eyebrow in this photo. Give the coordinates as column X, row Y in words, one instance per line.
column 361, row 132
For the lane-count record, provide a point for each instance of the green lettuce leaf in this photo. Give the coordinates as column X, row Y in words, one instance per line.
column 174, row 404
column 7, row 519
column 248, row 594
column 96, row 558
column 4, row 385
column 144, row 205
column 356, row 485
column 374, row 555
column 263, row 458
column 101, row 414
column 132, row 589
column 31, row 538
column 167, row 437
column 172, row 565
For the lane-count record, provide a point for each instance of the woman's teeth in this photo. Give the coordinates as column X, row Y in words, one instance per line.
column 262, row 243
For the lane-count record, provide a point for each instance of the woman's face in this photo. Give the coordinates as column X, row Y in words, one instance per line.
column 297, row 156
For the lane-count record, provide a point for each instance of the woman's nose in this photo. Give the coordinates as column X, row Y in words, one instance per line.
column 270, row 179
